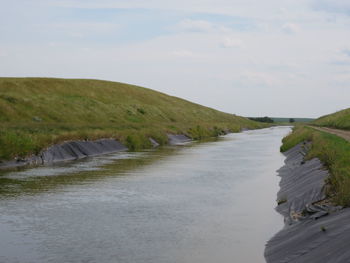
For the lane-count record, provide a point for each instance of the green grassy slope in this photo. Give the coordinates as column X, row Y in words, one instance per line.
column 339, row 120
column 38, row 112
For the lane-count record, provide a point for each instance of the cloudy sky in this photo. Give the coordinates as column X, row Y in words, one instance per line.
column 250, row 57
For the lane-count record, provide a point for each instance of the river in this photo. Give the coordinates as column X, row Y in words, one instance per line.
column 203, row 202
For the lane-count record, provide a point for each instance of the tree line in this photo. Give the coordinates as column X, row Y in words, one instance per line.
column 267, row 119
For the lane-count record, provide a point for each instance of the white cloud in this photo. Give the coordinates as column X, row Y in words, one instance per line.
column 261, row 79
column 195, row 25
column 341, row 58
column 255, row 9
column 337, row 6
column 229, row 42
column 3, row 53
column 346, row 51
column 290, row 28
column 183, row 54
column 80, row 29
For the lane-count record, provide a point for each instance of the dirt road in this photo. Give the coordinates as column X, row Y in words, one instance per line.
column 341, row 133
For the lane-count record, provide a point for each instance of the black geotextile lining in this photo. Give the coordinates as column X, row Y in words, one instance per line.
column 79, row 149
column 312, row 232
column 301, row 184
column 178, row 139
column 74, row 150
column 68, row 151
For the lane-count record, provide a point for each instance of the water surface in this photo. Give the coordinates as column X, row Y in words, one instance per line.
column 204, row 202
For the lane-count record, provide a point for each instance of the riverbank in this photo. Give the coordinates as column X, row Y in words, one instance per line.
column 38, row 113
column 313, row 199
column 333, row 152
column 76, row 150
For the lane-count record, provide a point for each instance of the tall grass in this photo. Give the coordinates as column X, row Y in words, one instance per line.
column 333, row 151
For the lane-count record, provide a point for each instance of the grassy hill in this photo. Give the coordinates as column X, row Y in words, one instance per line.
column 339, row 120
column 38, row 112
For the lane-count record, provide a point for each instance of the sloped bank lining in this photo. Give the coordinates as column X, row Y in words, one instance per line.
column 76, row 150
column 315, row 231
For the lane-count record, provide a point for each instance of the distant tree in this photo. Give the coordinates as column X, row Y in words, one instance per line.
column 291, row 120
column 262, row 119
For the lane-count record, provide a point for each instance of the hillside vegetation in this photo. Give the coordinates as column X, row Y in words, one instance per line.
column 339, row 120
column 38, row 112
column 333, row 151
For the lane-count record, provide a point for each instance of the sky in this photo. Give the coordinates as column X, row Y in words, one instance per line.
column 287, row 58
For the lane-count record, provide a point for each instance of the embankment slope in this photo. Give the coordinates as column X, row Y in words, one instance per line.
column 36, row 113
column 339, row 120
column 314, row 199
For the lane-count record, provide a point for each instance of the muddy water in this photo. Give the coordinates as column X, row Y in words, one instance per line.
column 204, row 202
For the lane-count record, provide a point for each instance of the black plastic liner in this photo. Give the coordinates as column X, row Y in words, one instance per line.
column 178, row 139
column 80, row 149
column 69, row 151
column 314, row 231
column 75, row 150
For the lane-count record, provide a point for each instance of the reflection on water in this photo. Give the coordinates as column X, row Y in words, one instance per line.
column 205, row 202
column 44, row 178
